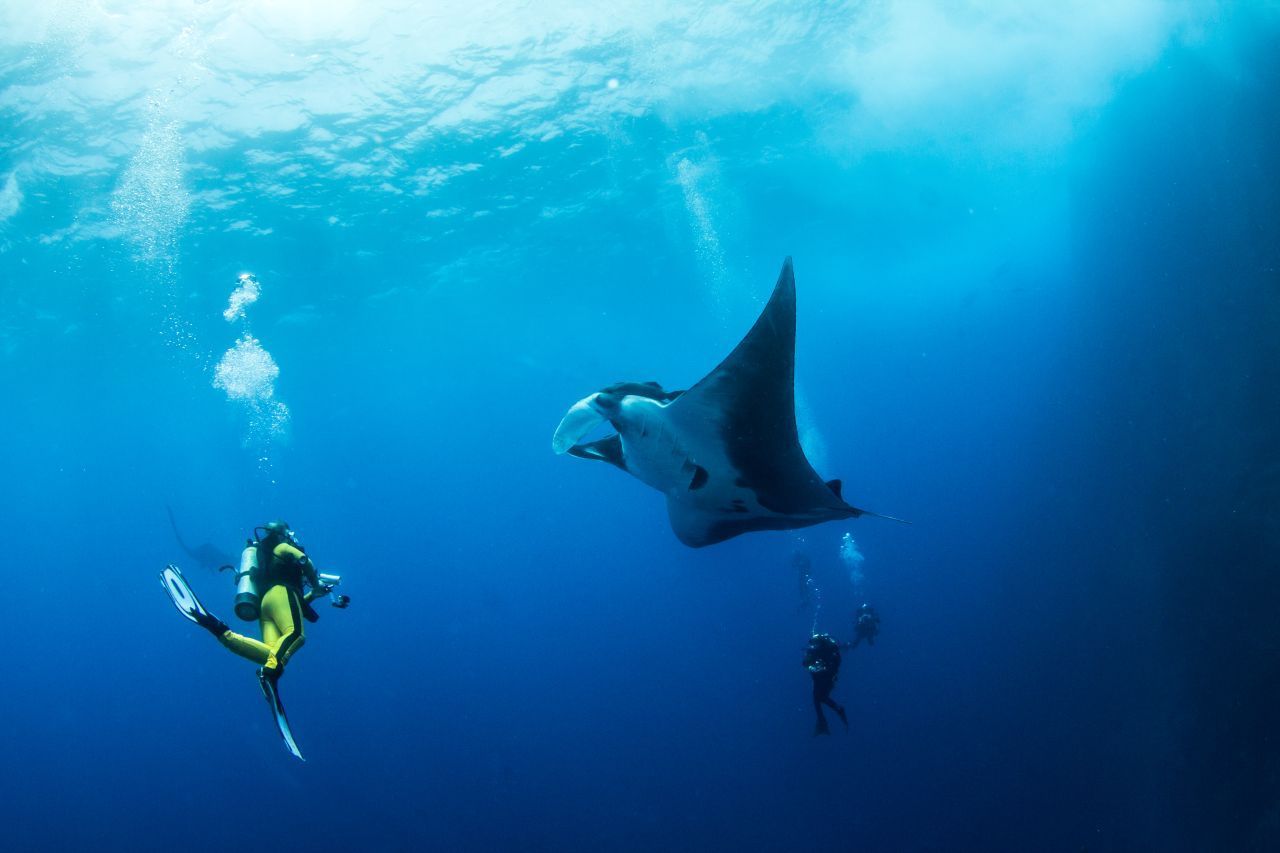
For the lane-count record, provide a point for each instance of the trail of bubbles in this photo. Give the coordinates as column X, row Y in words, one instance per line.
column 247, row 374
column 151, row 203
column 816, row 592
column 150, row 206
column 810, row 592
column 692, row 179
column 853, row 560
column 811, row 440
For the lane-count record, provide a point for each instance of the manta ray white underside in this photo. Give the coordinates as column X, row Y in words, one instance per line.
column 726, row 452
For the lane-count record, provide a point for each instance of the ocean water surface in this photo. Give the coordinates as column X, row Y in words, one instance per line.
column 348, row 264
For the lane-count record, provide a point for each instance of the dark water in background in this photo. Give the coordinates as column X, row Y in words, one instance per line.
column 1058, row 358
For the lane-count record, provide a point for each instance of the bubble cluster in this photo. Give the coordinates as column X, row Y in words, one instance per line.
column 246, row 371
column 245, row 294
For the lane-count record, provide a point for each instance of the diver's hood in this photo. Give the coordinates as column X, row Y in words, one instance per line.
column 278, row 528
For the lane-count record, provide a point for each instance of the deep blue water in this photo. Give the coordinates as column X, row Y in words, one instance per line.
column 1036, row 256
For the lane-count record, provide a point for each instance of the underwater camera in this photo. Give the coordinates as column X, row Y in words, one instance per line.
column 342, row 602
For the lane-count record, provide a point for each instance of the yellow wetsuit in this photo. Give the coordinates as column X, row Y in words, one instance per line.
column 280, row 618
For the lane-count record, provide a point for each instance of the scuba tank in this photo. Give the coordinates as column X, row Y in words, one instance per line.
column 248, row 599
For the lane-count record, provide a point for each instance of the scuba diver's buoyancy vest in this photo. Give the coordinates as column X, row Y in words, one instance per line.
column 822, row 655
column 260, row 569
column 274, row 569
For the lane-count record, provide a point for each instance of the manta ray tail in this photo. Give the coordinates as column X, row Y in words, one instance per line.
column 880, row 515
column 178, row 535
column 836, row 487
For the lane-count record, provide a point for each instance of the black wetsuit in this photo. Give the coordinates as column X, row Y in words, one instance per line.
column 865, row 628
column 822, row 659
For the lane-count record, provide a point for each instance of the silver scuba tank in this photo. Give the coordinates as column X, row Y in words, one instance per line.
column 248, row 599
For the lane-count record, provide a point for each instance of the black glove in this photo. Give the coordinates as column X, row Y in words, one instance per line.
column 308, row 612
column 212, row 624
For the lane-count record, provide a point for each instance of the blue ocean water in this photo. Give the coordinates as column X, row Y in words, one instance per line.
column 1036, row 256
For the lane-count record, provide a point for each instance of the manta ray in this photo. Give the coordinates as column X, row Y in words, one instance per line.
column 208, row 555
column 726, row 453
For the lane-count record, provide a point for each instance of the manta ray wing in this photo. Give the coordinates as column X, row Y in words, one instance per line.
column 739, row 423
column 726, row 453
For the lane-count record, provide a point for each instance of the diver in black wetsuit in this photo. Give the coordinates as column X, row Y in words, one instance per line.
column 822, row 659
column 865, row 626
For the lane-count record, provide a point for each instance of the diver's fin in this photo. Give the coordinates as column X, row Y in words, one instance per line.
column 277, row 711
column 182, row 596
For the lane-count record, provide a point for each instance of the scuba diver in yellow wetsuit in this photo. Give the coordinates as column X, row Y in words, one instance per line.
column 282, row 567
column 274, row 570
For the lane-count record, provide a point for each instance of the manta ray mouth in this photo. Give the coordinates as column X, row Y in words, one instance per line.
column 583, row 417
